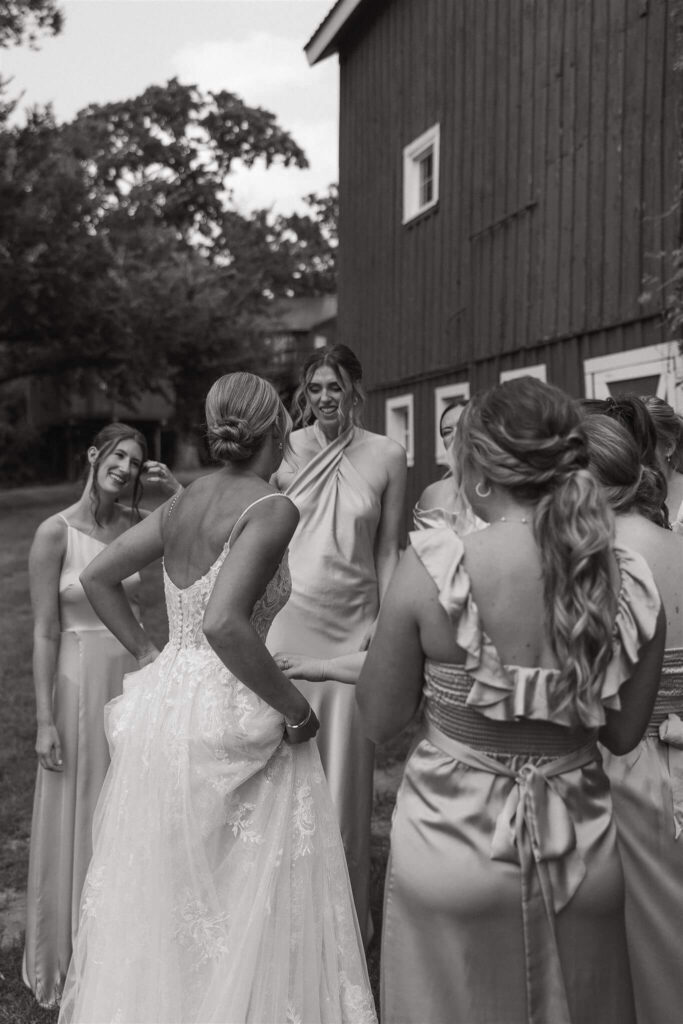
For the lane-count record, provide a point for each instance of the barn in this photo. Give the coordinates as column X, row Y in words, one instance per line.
column 509, row 200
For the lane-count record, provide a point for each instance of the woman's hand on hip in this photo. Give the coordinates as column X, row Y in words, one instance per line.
column 303, row 731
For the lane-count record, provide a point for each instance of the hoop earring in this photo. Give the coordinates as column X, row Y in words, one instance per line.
column 481, row 493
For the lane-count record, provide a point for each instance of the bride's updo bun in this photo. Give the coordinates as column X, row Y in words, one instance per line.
column 241, row 410
column 232, row 441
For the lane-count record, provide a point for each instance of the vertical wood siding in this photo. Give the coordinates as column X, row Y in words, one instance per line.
column 559, row 172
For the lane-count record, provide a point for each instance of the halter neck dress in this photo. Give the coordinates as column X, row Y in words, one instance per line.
column 334, row 602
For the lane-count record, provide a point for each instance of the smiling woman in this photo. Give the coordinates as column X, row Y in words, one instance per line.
column 348, row 485
column 77, row 667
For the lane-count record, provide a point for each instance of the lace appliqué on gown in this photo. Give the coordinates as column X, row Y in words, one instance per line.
column 218, row 865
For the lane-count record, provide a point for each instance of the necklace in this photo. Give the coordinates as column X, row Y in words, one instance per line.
column 511, row 519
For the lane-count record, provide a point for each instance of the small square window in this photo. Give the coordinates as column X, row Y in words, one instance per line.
column 399, row 422
column 421, row 174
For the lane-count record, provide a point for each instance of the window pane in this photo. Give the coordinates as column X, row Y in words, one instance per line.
column 426, row 178
column 634, row 386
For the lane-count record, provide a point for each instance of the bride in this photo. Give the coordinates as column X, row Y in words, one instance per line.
column 218, row 889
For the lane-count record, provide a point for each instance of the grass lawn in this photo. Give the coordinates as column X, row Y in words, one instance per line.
column 20, row 513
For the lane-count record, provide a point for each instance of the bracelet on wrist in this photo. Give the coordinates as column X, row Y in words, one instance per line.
column 300, row 725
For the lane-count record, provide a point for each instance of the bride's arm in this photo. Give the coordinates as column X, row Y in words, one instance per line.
column 249, row 566
column 102, row 581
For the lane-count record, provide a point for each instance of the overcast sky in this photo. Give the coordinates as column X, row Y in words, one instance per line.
column 113, row 49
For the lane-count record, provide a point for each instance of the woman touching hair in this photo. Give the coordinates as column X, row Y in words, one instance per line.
column 527, row 641
column 77, row 667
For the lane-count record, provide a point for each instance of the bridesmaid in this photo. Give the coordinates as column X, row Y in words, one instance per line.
column 349, row 486
column 646, row 782
column 669, row 427
column 504, row 896
column 634, row 416
column 77, row 667
column 442, row 503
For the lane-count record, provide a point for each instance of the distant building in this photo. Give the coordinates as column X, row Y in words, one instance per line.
column 293, row 328
column 509, row 184
column 69, row 416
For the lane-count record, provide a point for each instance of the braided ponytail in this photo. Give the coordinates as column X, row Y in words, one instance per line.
column 527, row 436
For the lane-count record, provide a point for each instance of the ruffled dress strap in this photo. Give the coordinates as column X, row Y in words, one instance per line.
column 510, row 692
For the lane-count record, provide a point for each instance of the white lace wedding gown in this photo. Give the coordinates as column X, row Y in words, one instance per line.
column 218, row 889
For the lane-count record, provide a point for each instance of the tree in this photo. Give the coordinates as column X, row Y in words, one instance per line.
column 121, row 255
column 165, row 157
column 308, row 245
column 21, row 21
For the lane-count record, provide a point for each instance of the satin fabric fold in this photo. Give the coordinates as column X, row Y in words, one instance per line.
column 647, row 789
column 334, row 602
column 91, row 665
column 504, row 893
column 535, row 830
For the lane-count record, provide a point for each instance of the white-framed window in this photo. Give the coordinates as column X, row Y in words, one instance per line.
column 400, row 423
column 445, row 395
column 651, row 370
column 538, row 371
column 421, row 174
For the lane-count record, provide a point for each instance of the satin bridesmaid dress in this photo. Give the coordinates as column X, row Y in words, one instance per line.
column 334, row 602
column 504, row 900
column 647, row 789
column 91, row 665
column 463, row 521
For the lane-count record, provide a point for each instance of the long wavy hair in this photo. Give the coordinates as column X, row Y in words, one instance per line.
column 241, row 408
column 615, row 460
column 349, row 373
column 527, row 437
column 633, row 414
column 106, row 441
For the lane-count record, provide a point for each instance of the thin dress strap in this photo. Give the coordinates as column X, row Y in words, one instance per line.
column 64, row 519
column 275, row 494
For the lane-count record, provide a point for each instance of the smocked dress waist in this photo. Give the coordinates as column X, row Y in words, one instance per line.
column 669, row 700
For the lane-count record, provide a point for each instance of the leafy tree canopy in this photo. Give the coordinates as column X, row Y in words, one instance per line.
column 120, row 251
column 22, row 21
